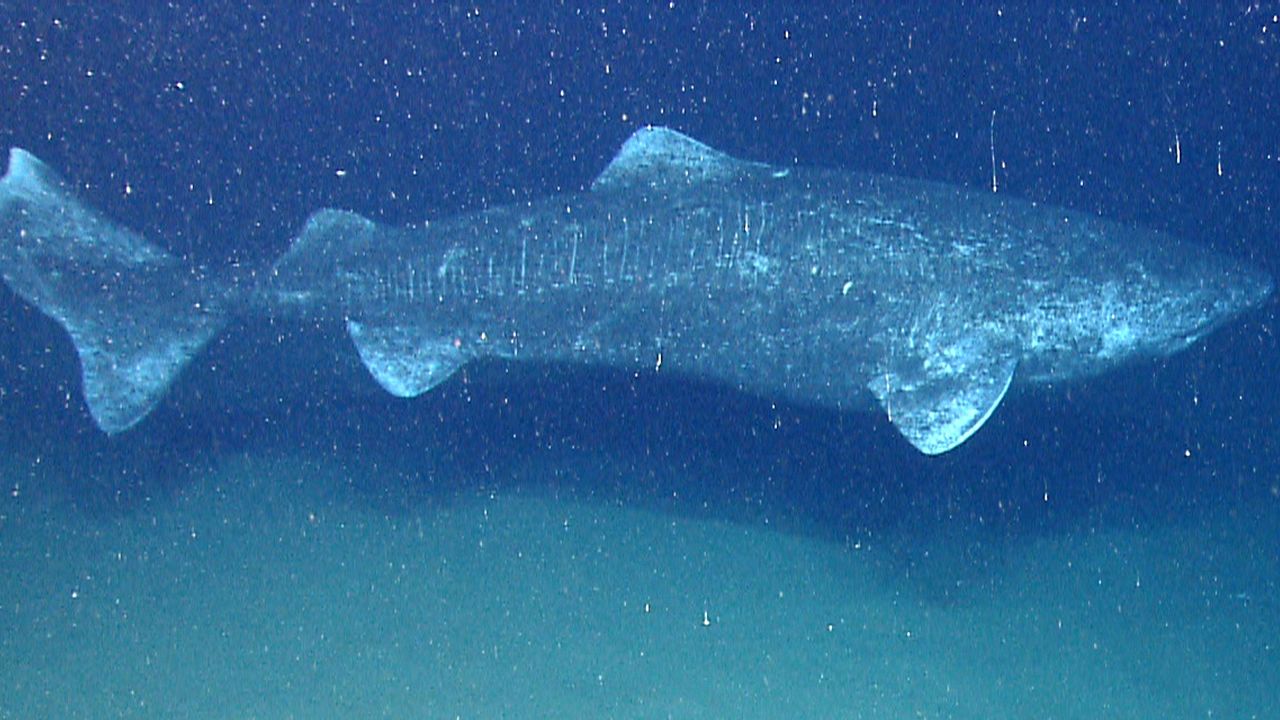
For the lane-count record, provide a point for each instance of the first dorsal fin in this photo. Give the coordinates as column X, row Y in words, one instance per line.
column 657, row 156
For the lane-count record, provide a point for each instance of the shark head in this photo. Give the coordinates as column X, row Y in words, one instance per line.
column 1157, row 297
column 1191, row 297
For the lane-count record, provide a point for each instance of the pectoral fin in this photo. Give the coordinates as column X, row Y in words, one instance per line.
column 938, row 401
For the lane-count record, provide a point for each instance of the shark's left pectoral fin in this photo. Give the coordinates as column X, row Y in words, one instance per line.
column 405, row 360
column 938, row 401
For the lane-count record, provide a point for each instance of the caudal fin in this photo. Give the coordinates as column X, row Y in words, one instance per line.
column 135, row 313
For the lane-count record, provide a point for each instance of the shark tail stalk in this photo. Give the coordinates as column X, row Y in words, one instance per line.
column 135, row 313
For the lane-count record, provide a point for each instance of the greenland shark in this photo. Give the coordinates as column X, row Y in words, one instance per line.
column 844, row 289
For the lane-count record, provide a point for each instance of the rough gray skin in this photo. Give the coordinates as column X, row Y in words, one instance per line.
column 814, row 285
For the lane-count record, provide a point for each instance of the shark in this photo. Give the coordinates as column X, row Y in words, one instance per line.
column 814, row 285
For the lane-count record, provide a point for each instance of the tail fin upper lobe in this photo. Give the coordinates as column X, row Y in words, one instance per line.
column 135, row 313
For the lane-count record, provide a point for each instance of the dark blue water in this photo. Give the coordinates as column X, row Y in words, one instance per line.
column 215, row 128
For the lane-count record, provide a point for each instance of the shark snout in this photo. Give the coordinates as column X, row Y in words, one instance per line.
column 1245, row 287
column 1260, row 288
column 1238, row 288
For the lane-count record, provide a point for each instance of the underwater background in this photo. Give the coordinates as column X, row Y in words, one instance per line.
column 281, row 538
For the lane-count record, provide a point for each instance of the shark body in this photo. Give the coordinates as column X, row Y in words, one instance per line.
column 822, row 286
